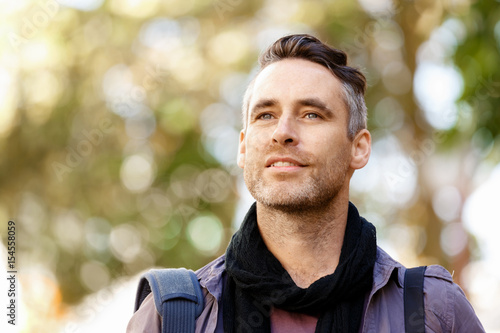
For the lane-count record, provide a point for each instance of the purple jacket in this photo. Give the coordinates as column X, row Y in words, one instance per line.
column 446, row 307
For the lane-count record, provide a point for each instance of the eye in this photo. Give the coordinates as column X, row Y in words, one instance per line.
column 265, row 116
column 312, row 116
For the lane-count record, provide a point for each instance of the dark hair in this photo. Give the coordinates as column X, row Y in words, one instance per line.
column 310, row 48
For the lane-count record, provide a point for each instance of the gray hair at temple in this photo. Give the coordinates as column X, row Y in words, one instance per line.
column 310, row 48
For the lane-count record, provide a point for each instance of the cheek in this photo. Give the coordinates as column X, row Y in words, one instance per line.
column 254, row 154
column 256, row 142
column 323, row 143
column 252, row 150
column 332, row 148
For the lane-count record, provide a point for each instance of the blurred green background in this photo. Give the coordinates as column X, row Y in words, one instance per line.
column 119, row 125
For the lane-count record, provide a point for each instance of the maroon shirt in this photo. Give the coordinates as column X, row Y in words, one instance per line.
column 286, row 322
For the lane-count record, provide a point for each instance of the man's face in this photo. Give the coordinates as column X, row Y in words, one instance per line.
column 295, row 151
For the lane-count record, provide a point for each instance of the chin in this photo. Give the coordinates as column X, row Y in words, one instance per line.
column 296, row 199
column 311, row 193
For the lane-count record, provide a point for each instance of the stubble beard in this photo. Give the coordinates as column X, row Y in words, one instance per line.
column 315, row 192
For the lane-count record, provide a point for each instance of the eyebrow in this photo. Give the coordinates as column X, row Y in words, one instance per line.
column 316, row 103
column 264, row 103
column 311, row 102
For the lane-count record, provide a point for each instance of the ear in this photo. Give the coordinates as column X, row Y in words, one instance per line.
column 241, row 151
column 361, row 149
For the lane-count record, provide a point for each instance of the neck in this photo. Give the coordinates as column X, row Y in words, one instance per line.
column 308, row 242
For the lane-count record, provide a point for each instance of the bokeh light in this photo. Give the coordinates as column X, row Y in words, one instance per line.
column 94, row 275
column 437, row 88
column 206, row 233
column 137, row 173
column 125, row 242
column 447, row 203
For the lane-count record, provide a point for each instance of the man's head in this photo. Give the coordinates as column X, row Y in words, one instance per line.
column 297, row 150
column 310, row 48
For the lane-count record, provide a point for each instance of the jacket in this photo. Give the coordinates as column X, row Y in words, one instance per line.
column 446, row 307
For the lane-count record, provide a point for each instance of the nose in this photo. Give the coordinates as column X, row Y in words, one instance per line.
column 285, row 132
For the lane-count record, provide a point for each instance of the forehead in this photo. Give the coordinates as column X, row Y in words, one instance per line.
column 297, row 78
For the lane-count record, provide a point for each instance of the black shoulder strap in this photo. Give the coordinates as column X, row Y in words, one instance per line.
column 413, row 295
column 177, row 295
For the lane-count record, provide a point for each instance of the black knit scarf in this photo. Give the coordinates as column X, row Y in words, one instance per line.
column 257, row 281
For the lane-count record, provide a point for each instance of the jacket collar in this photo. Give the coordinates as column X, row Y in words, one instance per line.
column 211, row 276
column 386, row 269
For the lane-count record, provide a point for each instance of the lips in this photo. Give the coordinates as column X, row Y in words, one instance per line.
column 283, row 162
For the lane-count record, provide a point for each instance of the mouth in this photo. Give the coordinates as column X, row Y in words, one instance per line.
column 282, row 162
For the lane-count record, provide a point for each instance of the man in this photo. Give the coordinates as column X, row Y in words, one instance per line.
column 303, row 259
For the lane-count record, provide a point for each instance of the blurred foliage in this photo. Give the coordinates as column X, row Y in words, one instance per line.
column 119, row 124
column 478, row 58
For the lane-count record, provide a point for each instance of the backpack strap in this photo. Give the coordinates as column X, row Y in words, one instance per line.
column 413, row 295
column 177, row 295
